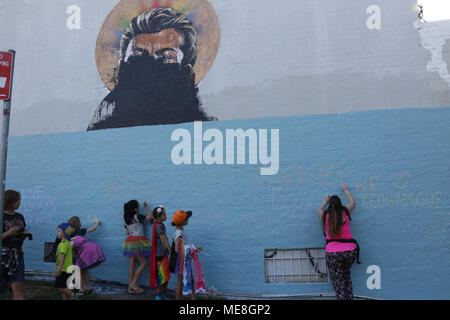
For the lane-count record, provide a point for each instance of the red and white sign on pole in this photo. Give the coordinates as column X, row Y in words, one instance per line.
column 6, row 74
column 6, row 67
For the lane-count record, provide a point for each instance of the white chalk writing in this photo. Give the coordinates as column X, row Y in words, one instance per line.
column 401, row 200
column 36, row 207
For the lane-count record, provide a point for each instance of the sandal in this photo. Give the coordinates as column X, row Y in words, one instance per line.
column 133, row 291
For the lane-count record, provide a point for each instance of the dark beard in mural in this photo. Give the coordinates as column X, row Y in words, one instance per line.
column 150, row 92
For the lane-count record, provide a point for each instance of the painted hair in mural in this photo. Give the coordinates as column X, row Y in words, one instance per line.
column 154, row 81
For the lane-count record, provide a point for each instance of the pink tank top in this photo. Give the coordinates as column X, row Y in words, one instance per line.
column 345, row 234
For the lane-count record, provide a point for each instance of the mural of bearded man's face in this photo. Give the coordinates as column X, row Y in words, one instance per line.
column 165, row 45
column 155, row 82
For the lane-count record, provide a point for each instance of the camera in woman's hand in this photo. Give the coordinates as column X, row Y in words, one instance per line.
column 27, row 235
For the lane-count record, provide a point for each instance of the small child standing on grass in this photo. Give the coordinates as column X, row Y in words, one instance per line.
column 159, row 262
column 64, row 260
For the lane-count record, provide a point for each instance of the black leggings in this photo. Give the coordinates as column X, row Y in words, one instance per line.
column 339, row 264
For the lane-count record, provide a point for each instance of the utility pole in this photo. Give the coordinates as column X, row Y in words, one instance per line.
column 6, row 81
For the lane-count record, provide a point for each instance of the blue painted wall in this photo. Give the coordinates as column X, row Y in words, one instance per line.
column 395, row 162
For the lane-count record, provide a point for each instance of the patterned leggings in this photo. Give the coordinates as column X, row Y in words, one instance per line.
column 339, row 264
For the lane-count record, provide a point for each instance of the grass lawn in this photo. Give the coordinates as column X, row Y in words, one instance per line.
column 45, row 290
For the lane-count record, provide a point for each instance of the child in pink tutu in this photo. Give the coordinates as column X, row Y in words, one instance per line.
column 89, row 255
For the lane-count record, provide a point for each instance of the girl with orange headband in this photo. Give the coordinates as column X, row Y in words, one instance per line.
column 179, row 220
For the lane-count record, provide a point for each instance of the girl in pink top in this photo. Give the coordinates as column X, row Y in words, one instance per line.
column 340, row 254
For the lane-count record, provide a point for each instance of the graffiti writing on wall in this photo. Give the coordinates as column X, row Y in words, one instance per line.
column 402, row 200
column 398, row 180
column 372, row 198
column 36, row 206
column 374, row 192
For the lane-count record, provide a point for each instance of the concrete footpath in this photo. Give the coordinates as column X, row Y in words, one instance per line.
column 117, row 291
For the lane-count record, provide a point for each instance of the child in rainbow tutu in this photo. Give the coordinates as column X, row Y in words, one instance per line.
column 159, row 262
column 136, row 246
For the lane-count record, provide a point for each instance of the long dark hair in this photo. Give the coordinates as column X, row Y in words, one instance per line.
column 11, row 197
column 335, row 211
column 129, row 210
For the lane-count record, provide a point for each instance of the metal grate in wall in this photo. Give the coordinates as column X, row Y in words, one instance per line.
column 295, row 265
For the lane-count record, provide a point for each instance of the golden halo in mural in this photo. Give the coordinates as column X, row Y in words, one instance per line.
column 199, row 12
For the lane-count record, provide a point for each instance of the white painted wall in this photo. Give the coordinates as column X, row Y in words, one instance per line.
column 291, row 57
